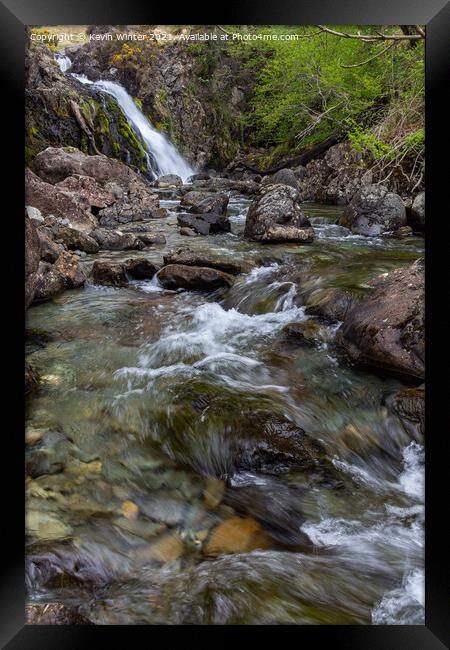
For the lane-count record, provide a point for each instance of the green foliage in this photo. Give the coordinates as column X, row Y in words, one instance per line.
column 303, row 90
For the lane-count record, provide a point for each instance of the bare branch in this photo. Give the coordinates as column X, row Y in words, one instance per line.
column 357, row 65
column 372, row 37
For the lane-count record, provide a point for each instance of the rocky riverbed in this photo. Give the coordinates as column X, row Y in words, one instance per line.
column 225, row 400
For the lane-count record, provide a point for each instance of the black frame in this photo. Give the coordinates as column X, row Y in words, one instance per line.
column 14, row 16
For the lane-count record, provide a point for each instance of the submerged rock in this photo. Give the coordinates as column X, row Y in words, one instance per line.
column 373, row 211
column 205, row 224
column 189, row 257
column 54, row 614
column 386, row 329
column 109, row 273
column 175, row 276
column 31, row 379
column 271, row 443
column 330, row 304
column 188, row 232
column 276, row 216
column 303, row 332
column 236, row 535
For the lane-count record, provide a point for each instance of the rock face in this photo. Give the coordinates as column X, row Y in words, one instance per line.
column 54, row 614
column 60, row 110
column 386, row 329
column 373, row 211
column 32, row 258
column 188, row 257
column 417, row 218
column 176, row 276
column 109, row 273
column 204, row 224
column 276, row 216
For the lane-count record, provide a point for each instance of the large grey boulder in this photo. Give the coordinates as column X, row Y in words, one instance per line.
column 276, row 216
column 190, row 257
column 417, row 217
column 386, row 329
column 374, row 211
column 282, row 177
column 205, row 224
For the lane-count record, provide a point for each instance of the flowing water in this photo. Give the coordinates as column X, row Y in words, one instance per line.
column 142, row 390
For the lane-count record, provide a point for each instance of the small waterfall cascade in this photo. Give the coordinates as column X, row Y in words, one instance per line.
column 162, row 155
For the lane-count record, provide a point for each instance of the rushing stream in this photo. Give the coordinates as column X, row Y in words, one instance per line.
column 141, row 390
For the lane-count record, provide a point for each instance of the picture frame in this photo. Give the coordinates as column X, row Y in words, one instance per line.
column 14, row 17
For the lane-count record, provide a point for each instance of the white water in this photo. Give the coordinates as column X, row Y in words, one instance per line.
column 63, row 61
column 162, row 156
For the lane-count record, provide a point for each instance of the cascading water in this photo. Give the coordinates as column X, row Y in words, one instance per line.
column 162, row 156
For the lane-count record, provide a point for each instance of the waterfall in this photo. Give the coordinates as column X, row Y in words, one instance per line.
column 162, row 156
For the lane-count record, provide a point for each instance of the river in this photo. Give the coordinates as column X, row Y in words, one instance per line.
column 141, row 391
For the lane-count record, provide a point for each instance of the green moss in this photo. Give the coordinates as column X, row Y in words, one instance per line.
column 116, row 149
column 103, row 122
column 138, row 103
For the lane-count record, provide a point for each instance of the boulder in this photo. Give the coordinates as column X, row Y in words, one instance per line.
column 54, row 614
column 188, row 257
column 205, row 224
column 276, row 216
column 140, row 268
column 168, row 180
column 215, row 204
column 53, row 200
column 373, row 211
column 52, row 279
column 417, row 216
column 284, row 177
column 202, row 176
column 50, row 250
column 192, row 198
column 151, row 238
column 180, row 276
column 109, row 273
column 115, row 240
column 77, row 240
column 386, row 328
column 54, row 164
column 32, row 259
